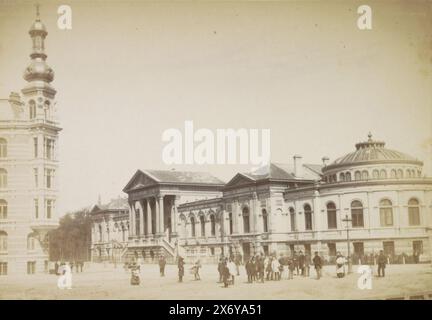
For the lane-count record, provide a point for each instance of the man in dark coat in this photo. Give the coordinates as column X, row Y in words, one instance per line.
column 317, row 261
column 301, row 263
column 382, row 261
column 162, row 263
column 180, row 266
column 221, row 268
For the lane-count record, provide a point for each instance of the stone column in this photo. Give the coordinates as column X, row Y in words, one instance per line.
column 174, row 216
column 142, row 228
column 149, row 217
column 161, row 215
column 131, row 220
column 237, row 218
column 157, row 216
column 254, row 214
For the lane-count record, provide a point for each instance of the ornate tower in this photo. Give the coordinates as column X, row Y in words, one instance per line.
column 28, row 166
column 38, row 98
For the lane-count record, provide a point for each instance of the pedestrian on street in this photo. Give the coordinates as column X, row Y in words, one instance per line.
column 317, row 261
column 221, row 268
column 225, row 273
column 301, row 263
column 232, row 269
column 291, row 268
column 340, row 265
column 382, row 261
column 162, row 264
column 180, row 266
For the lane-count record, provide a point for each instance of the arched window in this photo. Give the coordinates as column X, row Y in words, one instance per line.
column 308, row 217
column 246, row 220
column 3, row 178
column 31, row 240
column 212, row 225
column 348, row 176
column 393, row 174
column 383, row 174
column 400, row 174
column 365, row 175
column 192, row 221
column 32, row 109
column 331, row 216
column 230, row 217
column 357, row 214
column 47, row 110
column 292, row 219
column 357, row 175
column 375, row 174
column 3, row 209
column 265, row 220
column 386, row 213
column 342, row 177
column 202, row 223
column 3, row 148
column 3, row 241
column 413, row 212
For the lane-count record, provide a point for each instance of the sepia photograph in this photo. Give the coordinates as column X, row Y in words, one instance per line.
column 215, row 150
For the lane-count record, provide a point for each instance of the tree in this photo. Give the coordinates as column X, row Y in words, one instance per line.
column 71, row 240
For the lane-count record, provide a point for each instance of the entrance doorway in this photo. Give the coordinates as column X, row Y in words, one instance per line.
column 246, row 251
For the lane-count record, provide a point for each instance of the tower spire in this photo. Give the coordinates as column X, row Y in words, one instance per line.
column 37, row 5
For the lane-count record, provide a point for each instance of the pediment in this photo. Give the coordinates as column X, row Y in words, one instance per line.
column 239, row 180
column 140, row 180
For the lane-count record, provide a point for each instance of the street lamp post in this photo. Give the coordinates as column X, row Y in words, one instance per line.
column 347, row 221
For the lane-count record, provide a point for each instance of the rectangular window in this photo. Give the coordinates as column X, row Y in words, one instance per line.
column 36, row 207
column 212, row 251
column 137, row 222
column 49, row 148
column 49, row 204
column 35, row 142
column 49, row 175
column 31, row 267
column 3, row 268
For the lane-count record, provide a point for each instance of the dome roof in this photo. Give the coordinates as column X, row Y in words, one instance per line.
column 372, row 151
column 37, row 26
column 38, row 70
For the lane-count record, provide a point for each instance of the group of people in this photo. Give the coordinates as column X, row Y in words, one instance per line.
column 261, row 267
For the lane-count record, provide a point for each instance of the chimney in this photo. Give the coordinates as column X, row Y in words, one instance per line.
column 324, row 161
column 298, row 166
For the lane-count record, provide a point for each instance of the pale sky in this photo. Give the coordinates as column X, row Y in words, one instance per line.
column 128, row 70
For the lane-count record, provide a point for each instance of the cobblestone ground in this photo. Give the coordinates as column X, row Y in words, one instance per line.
column 106, row 282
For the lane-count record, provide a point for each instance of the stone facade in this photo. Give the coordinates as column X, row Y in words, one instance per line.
column 110, row 230
column 379, row 195
column 28, row 166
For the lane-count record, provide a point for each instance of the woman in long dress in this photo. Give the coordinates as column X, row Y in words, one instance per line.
column 340, row 265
